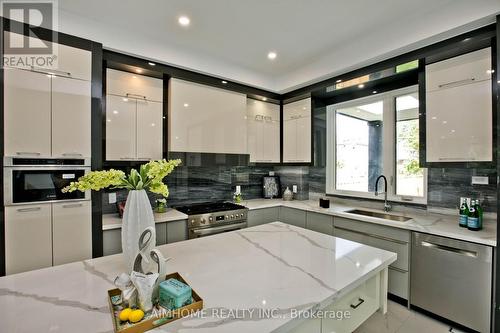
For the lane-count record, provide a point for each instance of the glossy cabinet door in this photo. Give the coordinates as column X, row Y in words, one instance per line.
column 204, row 119
column 263, row 131
column 28, row 238
column 71, row 115
column 120, row 128
column 76, row 63
column 459, row 121
column 27, row 110
column 297, row 132
column 149, row 130
column 72, row 231
column 133, row 85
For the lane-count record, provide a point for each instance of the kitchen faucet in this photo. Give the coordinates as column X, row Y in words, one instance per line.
column 387, row 207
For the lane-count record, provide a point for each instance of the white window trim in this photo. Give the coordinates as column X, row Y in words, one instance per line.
column 389, row 150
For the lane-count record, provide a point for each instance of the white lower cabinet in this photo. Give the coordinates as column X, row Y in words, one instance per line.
column 360, row 303
column 72, row 232
column 38, row 236
column 28, row 238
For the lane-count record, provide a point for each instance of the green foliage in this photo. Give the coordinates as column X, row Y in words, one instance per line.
column 149, row 177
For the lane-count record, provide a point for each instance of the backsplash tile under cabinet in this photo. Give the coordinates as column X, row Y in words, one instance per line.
column 446, row 186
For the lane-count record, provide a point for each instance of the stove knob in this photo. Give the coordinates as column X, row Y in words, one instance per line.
column 203, row 221
column 236, row 215
column 210, row 219
column 232, row 216
column 227, row 216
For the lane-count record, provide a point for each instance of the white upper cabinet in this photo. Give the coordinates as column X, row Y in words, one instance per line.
column 134, row 117
column 120, row 128
column 51, row 103
column 459, row 125
column 27, row 105
column 70, row 105
column 70, row 62
column 204, row 119
column 134, row 86
column 297, row 132
column 263, row 121
column 149, row 130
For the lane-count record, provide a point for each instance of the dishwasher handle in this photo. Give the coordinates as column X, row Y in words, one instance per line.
column 446, row 248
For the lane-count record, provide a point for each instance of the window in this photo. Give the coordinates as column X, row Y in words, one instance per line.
column 372, row 136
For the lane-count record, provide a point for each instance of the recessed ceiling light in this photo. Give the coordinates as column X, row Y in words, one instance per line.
column 338, row 81
column 361, row 86
column 151, row 63
column 272, row 55
column 466, row 39
column 224, row 82
column 264, row 99
column 184, row 21
column 374, row 92
column 138, row 70
column 186, row 105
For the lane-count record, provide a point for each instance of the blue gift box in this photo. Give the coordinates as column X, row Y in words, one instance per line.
column 174, row 294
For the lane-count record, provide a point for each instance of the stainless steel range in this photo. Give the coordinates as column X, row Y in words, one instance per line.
column 214, row 218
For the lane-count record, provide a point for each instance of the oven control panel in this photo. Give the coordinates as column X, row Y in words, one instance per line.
column 203, row 220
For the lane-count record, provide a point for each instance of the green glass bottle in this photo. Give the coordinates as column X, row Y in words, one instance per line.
column 474, row 220
column 463, row 213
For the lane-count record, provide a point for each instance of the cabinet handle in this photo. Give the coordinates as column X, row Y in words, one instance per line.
column 72, row 205
column 27, row 153
column 136, row 96
column 144, row 158
column 50, row 71
column 72, row 154
column 459, row 82
column 388, row 239
column 466, row 253
column 360, row 301
column 397, row 269
column 457, row 158
column 127, row 158
column 24, row 210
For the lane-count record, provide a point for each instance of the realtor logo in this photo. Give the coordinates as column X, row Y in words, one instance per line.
column 24, row 46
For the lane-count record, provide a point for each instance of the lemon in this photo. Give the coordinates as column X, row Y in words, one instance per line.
column 136, row 316
column 125, row 314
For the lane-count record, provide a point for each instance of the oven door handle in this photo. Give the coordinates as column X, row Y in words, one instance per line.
column 208, row 231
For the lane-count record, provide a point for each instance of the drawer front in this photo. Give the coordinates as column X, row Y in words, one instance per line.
column 375, row 229
column 362, row 302
column 364, row 238
column 398, row 282
column 293, row 216
column 261, row 216
column 320, row 223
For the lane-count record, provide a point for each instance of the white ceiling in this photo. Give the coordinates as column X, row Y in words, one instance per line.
column 230, row 39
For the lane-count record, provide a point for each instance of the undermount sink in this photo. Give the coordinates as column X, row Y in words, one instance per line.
column 384, row 216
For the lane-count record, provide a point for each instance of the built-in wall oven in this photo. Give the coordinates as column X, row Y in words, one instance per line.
column 42, row 180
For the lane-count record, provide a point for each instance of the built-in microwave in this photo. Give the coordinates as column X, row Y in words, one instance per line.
column 42, row 180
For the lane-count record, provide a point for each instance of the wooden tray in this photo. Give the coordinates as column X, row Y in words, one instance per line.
column 148, row 324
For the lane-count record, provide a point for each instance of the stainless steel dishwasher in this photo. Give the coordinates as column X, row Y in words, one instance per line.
column 452, row 279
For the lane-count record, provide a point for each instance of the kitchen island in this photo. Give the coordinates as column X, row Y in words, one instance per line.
column 288, row 271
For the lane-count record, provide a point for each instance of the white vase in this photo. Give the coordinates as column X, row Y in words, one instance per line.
column 138, row 215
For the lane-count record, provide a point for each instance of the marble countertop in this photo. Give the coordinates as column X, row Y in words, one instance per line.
column 113, row 221
column 272, row 266
column 421, row 220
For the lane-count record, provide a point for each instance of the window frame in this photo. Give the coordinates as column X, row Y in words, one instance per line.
column 388, row 149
